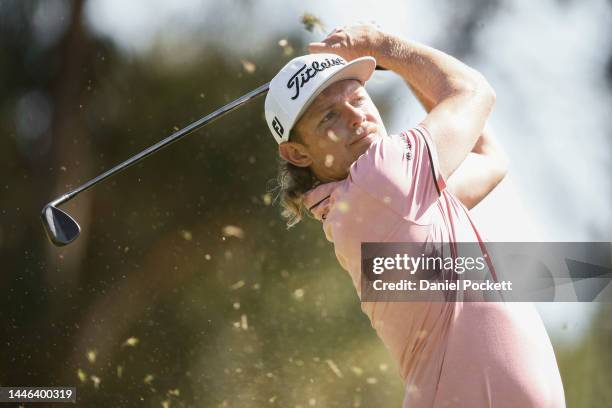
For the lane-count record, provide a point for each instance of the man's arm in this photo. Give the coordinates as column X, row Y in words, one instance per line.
column 461, row 98
column 481, row 171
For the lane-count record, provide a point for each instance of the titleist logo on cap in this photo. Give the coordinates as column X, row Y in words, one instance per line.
column 300, row 78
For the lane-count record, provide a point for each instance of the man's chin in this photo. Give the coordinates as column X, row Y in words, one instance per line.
column 361, row 146
column 366, row 142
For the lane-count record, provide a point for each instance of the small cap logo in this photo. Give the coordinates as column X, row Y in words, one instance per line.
column 278, row 128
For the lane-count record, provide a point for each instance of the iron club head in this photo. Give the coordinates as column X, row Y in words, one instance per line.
column 61, row 228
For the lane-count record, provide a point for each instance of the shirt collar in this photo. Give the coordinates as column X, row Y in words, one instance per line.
column 317, row 200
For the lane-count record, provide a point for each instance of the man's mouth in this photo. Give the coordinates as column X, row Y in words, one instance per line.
column 365, row 133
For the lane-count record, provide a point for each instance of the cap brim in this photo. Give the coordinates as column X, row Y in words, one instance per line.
column 360, row 69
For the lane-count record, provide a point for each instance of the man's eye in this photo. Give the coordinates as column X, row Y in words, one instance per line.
column 359, row 101
column 328, row 116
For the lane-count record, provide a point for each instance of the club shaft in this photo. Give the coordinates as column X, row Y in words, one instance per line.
column 165, row 142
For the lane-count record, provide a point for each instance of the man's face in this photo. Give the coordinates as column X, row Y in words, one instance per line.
column 337, row 128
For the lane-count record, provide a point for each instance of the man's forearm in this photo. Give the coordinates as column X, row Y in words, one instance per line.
column 431, row 73
column 481, row 171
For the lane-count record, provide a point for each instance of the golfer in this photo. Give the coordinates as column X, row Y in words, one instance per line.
column 364, row 185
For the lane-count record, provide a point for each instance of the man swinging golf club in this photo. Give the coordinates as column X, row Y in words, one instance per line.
column 339, row 164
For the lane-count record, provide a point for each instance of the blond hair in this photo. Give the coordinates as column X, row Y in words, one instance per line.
column 292, row 182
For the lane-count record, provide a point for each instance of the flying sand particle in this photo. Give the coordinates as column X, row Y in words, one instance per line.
column 131, row 342
column 287, row 48
column 237, row 285
column 334, row 368
column 248, row 66
column 96, row 381
column 298, row 294
column 233, row 231
column 357, row 370
column 332, row 136
column 310, row 22
column 343, row 206
column 91, row 356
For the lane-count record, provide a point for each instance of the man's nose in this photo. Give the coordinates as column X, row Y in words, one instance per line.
column 355, row 115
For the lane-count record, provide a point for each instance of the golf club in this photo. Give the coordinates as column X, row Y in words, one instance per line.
column 62, row 229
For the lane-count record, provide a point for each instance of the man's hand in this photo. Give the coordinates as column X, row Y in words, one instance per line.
column 349, row 42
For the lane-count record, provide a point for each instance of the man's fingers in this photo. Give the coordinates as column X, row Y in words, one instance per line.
column 335, row 30
column 315, row 47
column 335, row 37
column 334, row 48
column 333, row 41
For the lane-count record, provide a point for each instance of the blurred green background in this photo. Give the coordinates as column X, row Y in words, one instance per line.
column 185, row 288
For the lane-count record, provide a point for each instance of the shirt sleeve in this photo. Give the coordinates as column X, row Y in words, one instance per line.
column 434, row 165
column 402, row 171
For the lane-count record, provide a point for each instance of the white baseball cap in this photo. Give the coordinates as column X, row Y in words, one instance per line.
column 294, row 88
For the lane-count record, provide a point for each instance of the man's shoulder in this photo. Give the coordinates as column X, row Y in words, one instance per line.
column 387, row 151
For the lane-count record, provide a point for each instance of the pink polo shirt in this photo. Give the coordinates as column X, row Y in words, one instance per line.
column 450, row 354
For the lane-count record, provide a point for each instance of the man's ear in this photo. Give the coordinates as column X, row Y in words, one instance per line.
column 295, row 153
